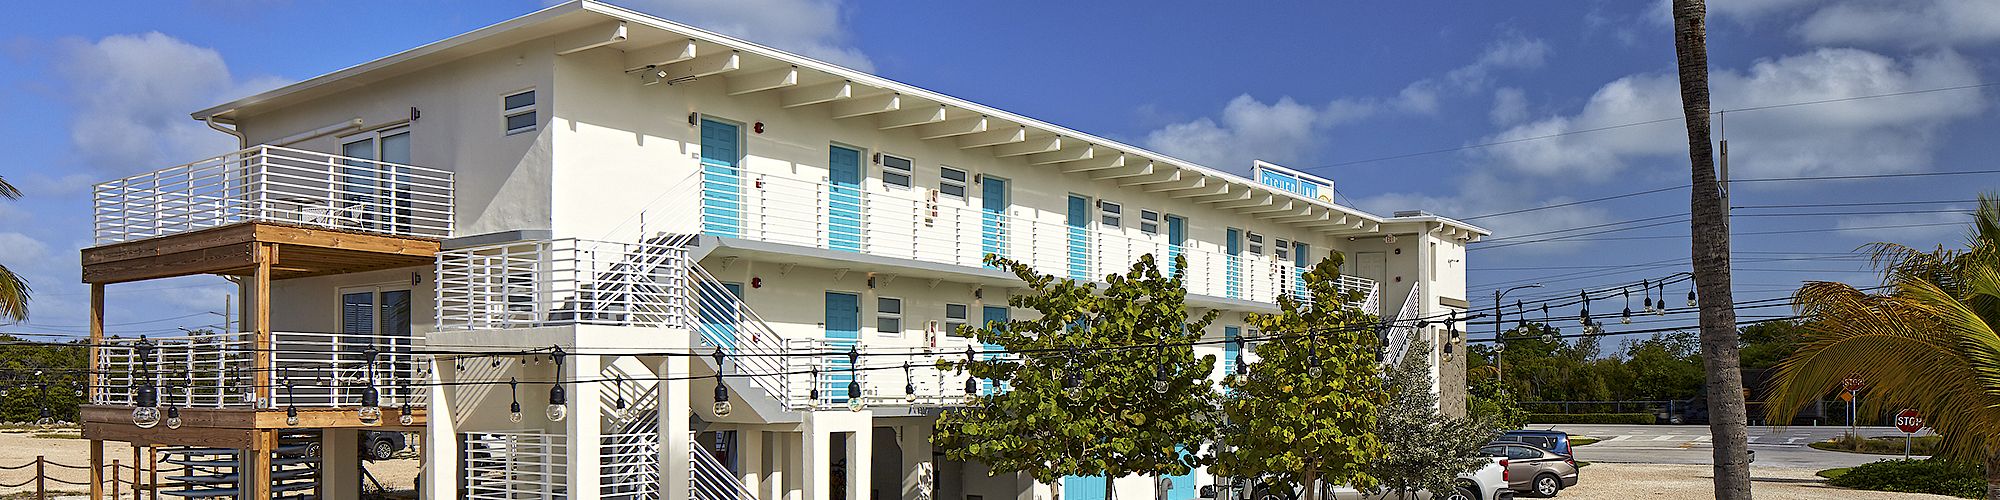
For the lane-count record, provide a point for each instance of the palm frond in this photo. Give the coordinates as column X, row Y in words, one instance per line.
column 8, row 191
column 13, row 296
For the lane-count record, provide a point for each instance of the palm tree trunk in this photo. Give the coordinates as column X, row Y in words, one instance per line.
column 1993, row 474
column 1710, row 227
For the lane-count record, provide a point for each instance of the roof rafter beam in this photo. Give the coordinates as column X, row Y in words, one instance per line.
column 993, row 137
column 1250, row 200
column 1285, row 214
column 1136, row 169
column 817, row 94
column 1229, row 193
column 764, row 80
column 1331, row 221
column 659, row 55
column 864, row 106
column 1273, row 206
column 1090, row 164
column 921, row 115
column 1029, row 146
column 593, row 37
column 1309, row 215
column 952, row 128
column 1185, row 183
column 1173, row 174
column 713, row 64
column 1199, row 190
column 1062, row 155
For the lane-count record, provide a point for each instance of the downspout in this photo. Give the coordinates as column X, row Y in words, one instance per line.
column 242, row 142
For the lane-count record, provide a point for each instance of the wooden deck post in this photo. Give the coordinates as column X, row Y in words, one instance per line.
column 259, row 475
column 96, row 469
column 96, row 320
column 42, row 477
column 260, row 312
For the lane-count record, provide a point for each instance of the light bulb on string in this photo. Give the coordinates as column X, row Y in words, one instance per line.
column 173, row 417
column 558, row 397
column 854, row 394
column 1647, row 288
column 145, row 401
column 1161, row 379
column 514, row 406
column 1691, row 302
column 405, row 415
column 1662, row 310
column 1520, row 315
column 1241, row 368
column 370, row 411
column 618, row 406
column 721, row 407
column 1626, row 317
column 813, row 393
column 291, row 402
column 1583, row 315
column 909, row 384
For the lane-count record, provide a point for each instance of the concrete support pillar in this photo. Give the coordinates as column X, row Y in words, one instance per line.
column 861, row 461
column 817, row 446
column 750, row 459
column 674, row 437
column 791, row 483
column 340, row 463
column 584, row 426
column 918, row 469
column 441, row 437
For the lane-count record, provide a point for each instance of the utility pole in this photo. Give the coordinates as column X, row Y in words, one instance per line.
column 1710, row 248
column 1500, row 336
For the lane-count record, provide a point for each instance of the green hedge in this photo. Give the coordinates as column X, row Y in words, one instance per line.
column 1923, row 445
column 1592, row 418
column 1915, row 476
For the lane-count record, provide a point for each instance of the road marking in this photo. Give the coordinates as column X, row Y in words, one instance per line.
column 1753, row 439
column 1793, row 440
column 1618, row 438
column 1664, row 438
column 1700, row 438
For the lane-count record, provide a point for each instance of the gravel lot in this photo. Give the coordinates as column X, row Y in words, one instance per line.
column 18, row 448
column 1625, row 481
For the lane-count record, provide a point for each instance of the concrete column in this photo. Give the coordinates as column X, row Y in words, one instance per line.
column 860, row 462
column 584, row 425
column 750, row 458
column 674, row 439
column 816, row 458
column 340, row 463
column 791, row 483
column 441, row 437
column 918, row 470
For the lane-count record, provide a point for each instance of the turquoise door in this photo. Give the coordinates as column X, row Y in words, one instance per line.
column 1176, row 237
column 1083, row 488
column 1079, row 238
column 1183, row 485
column 1232, row 246
column 843, row 202
column 843, row 329
column 720, row 313
column 721, row 181
column 1231, row 354
column 993, row 203
column 1300, row 264
column 989, row 315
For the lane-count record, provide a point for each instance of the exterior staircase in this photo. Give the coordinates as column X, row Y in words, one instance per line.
column 198, row 472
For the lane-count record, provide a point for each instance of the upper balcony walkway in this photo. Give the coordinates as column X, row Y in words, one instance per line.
column 277, row 185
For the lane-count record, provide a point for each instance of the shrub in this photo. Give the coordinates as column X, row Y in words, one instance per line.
column 1925, row 445
column 1591, row 418
column 1915, row 476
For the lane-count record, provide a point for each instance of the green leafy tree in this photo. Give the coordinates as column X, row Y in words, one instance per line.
column 1423, row 449
column 1305, row 413
column 13, row 289
column 1488, row 403
column 1665, row 366
column 40, row 376
column 1103, row 383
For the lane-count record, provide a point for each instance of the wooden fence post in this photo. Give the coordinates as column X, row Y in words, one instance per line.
column 41, row 478
column 114, row 478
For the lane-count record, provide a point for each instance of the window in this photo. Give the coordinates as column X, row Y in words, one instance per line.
column 1256, row 243
column 518, row 109
column 951, row 182
column 896, row 171
column 1110, row 213
column 889, row 316
column 1149, row 222
column 955, row 316
column 1282, row 251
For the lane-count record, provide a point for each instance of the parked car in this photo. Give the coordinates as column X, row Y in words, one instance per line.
column 1487, row 483
column 378, row 445
column 1552, row 440
column 1533, row 470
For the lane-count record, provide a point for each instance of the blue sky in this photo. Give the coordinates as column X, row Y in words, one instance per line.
column 1320, row 86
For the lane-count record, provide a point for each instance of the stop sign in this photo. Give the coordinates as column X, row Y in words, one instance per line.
column 1908, row 421
column 1852, row 383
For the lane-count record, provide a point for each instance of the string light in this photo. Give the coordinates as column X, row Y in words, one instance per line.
column 618, row 407
column 558, row 398
column 1160, row 379
column 291, row 402
column 1691, row 302
column 722, row 408
column 406, row 416
column 1648, row 289
column 514, row 407
column 1583, row 316
column 1626, row 317
column 1520, row 315
column 971, row 382
column 909, row 384
column 370, row 411
column 813, row 393
column 853, row 378
column 1241, row 367
column 145, row 413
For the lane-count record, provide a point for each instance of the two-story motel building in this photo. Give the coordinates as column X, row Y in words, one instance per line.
column 622, row 186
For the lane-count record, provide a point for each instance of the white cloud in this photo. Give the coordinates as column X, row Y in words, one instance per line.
column 812, row 28
column 1510, row 106
column 1287, row 131
column 133, row 95
column 1905, row 22
column 1482, row 193
column 20, row 250
column 1919, row 230
column 1896, row 134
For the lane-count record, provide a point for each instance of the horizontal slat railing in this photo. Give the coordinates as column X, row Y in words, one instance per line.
column 216, row 370
column 276, row 184
column 513, row 465
column 905, row 224
column 562, row 282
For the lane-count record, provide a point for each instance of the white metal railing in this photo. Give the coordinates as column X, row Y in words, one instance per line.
column 629, row 464
column 902, row 224
column 510, row 465
column 708, row 479
column 1403, row 328
column 756, row 352
column 562, row 282
column 218, row 370
column 276, row 184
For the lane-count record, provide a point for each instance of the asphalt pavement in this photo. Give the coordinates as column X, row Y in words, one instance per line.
column 1692, row 444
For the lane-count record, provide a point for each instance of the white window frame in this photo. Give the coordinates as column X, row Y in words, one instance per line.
column 1110, row 214
column 507, row 113
column 909, row 173
column 1149, row 221
column 964, row 178
column 951, row 324
column 1253, row 243
column 897, row 316
column 1281, row 250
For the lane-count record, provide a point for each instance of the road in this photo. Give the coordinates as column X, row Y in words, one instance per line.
column 1691, row 444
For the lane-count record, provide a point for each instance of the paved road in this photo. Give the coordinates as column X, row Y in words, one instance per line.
column 1691, row 444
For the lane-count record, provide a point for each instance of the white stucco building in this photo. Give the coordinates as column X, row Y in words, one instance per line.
column 622, row 187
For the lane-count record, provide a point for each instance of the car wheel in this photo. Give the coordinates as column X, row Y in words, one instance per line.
column 384, row 450
column 1462, row 492
column 312, row 450
column 1546, row 485
column 1262, row 493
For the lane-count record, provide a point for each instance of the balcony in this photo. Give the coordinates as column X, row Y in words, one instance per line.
column 276, row 185
column 899, row 224
column 324, row 370
column 562, row 282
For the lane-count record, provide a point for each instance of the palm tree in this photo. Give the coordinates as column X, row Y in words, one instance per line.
column 1709, row 227
column 1927, row 342
column 13, row 289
